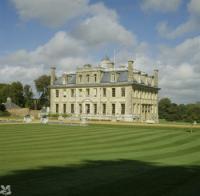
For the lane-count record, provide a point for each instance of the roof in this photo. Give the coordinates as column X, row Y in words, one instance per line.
column 122, row 76
column 10, row 105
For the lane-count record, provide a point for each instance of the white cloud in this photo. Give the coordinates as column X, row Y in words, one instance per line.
column 103, row 27
column 20, row 73
column 62, row 45
column 191, row 25
column 161, row 5
column 65, row 50
column 50, row 12
column 179, row 71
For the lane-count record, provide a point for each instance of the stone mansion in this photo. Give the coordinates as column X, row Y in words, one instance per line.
column 105, row 92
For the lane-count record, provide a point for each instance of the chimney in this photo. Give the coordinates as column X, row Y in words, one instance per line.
column 155, row 77
column 53, row 75
column 130, row 70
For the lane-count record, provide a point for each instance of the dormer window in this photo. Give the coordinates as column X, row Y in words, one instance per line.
column 95, row 78
column 88, row 78
column 113, row 77
column 80, row 78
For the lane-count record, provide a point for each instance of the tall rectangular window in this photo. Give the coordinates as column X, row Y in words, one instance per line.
column 72, row 108
column 113, row 109
column 57, row 93
column 113, row 92
column 123, row 92
column 87, row 107
column 104, row 92
column 122, row 108
column 95, row 92
column 104, row 108
column 64, row 108
column 95, row 108
column 72, row 93
column 57, row 108
column 80, row 92
column 80, row 108
column 87, row 92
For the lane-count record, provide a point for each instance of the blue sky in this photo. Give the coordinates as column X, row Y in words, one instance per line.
column 34, row 34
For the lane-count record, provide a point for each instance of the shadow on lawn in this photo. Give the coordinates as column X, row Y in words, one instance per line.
column 103, row 178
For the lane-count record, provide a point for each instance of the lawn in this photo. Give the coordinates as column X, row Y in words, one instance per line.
column 99, row 160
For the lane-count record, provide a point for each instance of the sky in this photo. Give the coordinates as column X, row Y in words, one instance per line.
column 156, row 34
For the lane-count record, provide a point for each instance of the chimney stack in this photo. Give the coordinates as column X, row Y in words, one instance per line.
column 155, row 77
column 53, row 75
column 130, row 70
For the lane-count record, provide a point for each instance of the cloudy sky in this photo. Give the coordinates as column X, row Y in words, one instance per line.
column 163, row 34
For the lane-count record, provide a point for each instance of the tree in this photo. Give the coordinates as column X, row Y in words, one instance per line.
column 42, row 86
column 174, row 112
column 2, row 108
column 28, row 96
column 163, row 108
column 16, row 93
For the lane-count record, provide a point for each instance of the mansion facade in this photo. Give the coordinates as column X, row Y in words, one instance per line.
column 106, row 93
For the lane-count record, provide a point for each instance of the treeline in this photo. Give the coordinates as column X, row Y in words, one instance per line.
column 178, row 112
column 23, row 96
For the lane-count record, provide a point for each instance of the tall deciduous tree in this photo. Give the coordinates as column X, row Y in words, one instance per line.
column 17, row 93
column 42, row 86
column 28, row 96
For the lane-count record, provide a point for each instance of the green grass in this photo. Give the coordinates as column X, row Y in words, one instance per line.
column 100, row 160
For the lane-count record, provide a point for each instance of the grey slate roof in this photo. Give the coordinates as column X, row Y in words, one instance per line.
column 71, row 78
column 123, row 76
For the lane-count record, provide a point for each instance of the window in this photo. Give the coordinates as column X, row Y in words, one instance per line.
column 80, row 92
column 104, row 108
column 72, row 93
column 87, row 92
column 122, row 108
column 57, row 93
column 95, row 92
column 95, row 78
column 80, row 108
column 112, row 77
column 80, row 78
column 57, row 108
column 87, row 107
column 123, row 92
column 95, row 108
column 104, row 92
column 113, row 92
column 72, row 108
column 88, row 78
column 64, row 93
column 64, row 108
column 113, row 109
